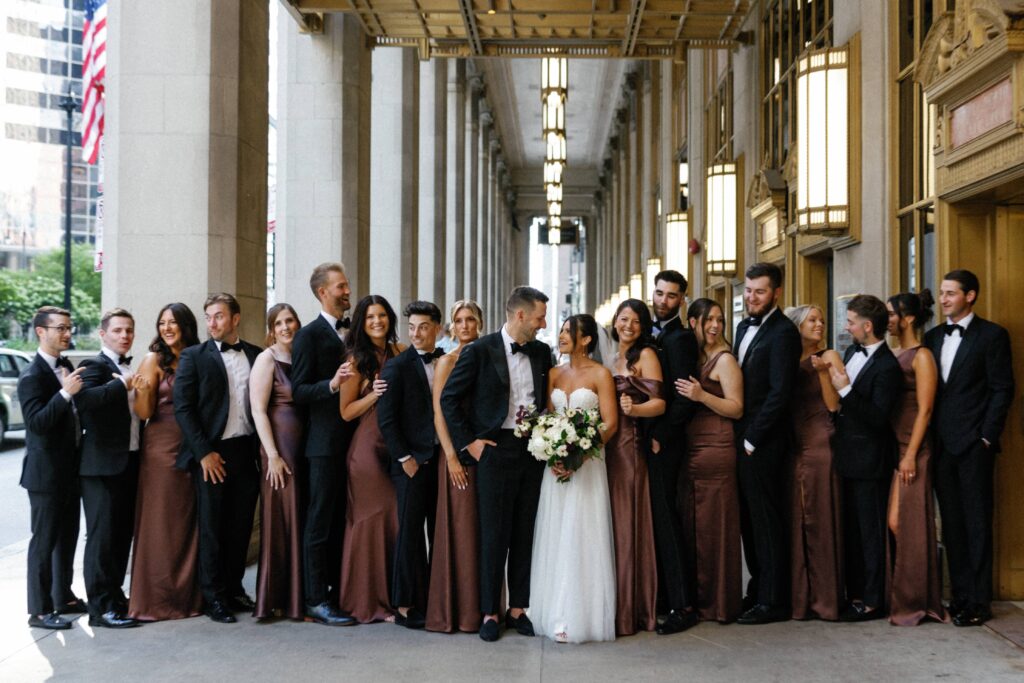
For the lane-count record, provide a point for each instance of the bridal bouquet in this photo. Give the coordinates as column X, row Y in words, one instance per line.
column 563, row 438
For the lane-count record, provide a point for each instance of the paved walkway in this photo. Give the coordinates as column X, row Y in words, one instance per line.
column 792, row 651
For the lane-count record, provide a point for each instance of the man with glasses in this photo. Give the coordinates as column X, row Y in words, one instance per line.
column 50, row 470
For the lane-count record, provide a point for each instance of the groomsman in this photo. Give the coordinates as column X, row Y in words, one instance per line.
column 49, row 471
column 109, row 468
column 495, row 377
column 974, row 395
column 211, row 405
column 677, row 350
column 317, row 374
column 768, row 348
column 865, row 452
column 405, row 414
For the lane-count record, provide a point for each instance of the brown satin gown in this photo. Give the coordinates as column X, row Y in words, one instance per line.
column 636, row 570
column 371, row 524
column 711, row 508
column 816, row 520
column 166, row 555
column 279, row 576
column 915, row 593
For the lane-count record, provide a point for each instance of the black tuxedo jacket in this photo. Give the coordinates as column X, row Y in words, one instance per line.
column 972, row 405
column 51, row 457
column 769, row 373
column 864, row 445
column 405, row 412
column 481, row 378
column 679, row 356
column 105, row 416
column 201, row 399
column 316, row 354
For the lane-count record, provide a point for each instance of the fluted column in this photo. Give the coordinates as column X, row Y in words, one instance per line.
column 479, row 258
column 433, row 179
column 455, row 189
column 472, row 152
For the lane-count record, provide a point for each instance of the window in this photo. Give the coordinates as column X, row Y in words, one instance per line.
column 915, row 162
column 718, row 106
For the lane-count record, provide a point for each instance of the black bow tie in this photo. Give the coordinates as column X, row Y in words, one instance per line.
column 953, row 328
column 518, row 348
column 858, row 348
column 225, row 347
column 755, row 320
column 124, row 360
column 342, row 323
column 65, row 362
column 428, row 356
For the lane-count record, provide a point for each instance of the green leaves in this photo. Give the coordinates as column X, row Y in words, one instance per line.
column 23, row 292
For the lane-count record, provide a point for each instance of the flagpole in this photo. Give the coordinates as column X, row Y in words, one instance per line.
column 68, row 104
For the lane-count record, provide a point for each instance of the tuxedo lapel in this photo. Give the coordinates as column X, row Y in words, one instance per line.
column 217, row 359
column 421, row 370
column 866, row 370
column 497, row 350
column 759, row 336
column 741, row 330
column 110, row 364
column 969, row 335
column 536, row 363
column 42, row 368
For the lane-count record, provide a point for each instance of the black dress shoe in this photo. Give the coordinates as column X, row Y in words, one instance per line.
column 522, row 624
column 489, row 631
column 76, row 606
column 327, row 615
column 51, row 621
column 976, row 615
column 748, row 602
column 413, row 619
column 219, row 612
column 858, row 611
column 241, row 603
column 763, row 614
column 113, row 620
column 678, row 621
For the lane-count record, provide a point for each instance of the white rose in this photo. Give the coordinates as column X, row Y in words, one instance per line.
column 585, row 443
column 562, row 450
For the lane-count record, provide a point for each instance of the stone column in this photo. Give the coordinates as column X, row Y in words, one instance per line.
column 323, row 168
column 455, row 188
column 645, row 236
column 433, row 181
column 479, row 259
column 667, row 168
column 472, row 151
column 394, row 171
column 186, row 155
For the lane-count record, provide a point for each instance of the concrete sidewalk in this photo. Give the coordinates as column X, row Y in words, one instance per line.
column 792, row 651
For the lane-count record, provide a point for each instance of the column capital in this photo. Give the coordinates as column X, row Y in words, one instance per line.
column 476, row 84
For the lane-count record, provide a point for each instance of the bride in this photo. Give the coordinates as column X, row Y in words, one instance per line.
column 573, row 568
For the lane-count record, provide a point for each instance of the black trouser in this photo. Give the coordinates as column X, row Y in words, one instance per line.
column 325, row 528
column 417, row 499
column 109, row 503
column 864, row 529
column 51, row 552
column 963, row 485
column 663, row 470
column 508, row 491
column 225, row 513
column 762, row 522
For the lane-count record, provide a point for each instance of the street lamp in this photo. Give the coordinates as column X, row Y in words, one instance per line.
column 69, row 105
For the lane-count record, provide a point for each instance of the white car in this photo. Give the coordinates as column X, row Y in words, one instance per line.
column 12, row 363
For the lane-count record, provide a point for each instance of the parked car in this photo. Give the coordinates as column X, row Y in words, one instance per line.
column 11, row 365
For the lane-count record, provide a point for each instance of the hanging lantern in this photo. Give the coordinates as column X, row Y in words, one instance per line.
column 721, row 213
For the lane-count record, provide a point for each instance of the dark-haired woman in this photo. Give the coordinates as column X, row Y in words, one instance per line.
column 371, row 518
column 637, row 374
column 711, row 506
column 915, row 593
column 165, row 558
column 279, row 425
column 816, row 530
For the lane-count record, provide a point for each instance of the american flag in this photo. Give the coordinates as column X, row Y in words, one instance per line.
column 94, row 73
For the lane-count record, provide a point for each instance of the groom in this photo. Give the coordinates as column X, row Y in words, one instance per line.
column 493, row 378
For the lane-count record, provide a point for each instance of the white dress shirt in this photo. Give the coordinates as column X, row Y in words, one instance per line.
column 656, row 331
column 520, row 381
column 856, row 364
column 238, row 368
column 126, row 375
column 333, row 322
column 751, row 332
column 951, row 344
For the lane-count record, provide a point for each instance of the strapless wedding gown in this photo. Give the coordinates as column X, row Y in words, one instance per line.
column 572, row 578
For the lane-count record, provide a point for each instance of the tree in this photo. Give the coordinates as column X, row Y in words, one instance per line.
column 22, row 293
column 83, row 276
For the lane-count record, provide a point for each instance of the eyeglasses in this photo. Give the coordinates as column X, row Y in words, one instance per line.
column 61, row 329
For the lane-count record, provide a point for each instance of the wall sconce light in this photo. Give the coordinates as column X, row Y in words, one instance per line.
column 677, row 232
column 721, row 213
column 653, row 268
column 636, row 286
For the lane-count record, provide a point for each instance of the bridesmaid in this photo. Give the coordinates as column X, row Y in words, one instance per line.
column 371, row 518
column 816, row 521
column 454, row 597
column 165, row 558
column 279, row 425
column 915, row 590
column 638, row 385
column 712, row 505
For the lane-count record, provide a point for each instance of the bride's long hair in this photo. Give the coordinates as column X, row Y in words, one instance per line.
column 583, row 323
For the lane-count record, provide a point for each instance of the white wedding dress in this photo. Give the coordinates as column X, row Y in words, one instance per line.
column 572, row 577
